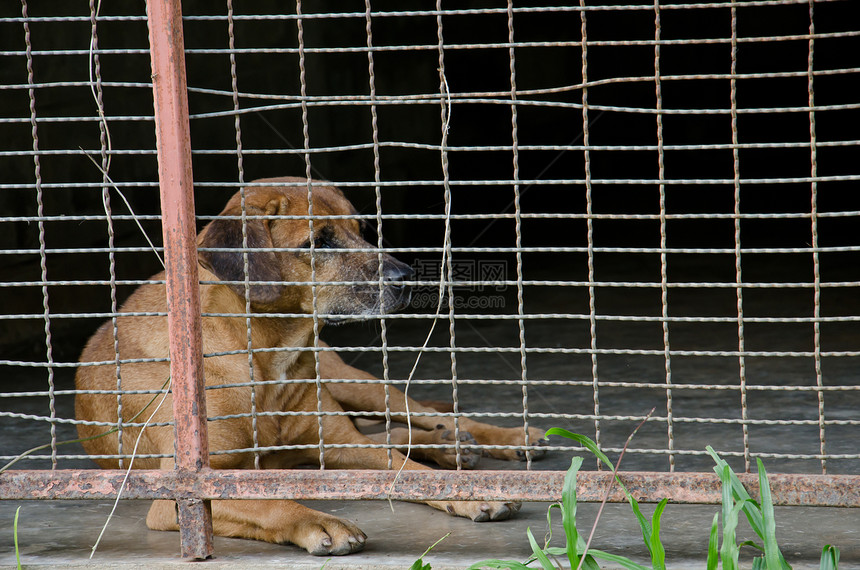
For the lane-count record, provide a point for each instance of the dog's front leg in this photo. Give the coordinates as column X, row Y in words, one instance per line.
column 341, row 430
column 445, row 455
column 372, row 397
column 277, row 521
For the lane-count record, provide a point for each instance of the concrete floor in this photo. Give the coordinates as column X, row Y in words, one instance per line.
column 61, row 534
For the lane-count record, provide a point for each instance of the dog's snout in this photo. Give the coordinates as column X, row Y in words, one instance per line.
column 394, row 270
column 398, row 294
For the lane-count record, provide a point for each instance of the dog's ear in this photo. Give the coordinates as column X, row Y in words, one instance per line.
column 230, row 265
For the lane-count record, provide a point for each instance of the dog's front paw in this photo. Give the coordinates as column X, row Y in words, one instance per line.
column 479, row 511
column 512, row 436
column 330, row 536
column 536, row 437
column 447, row 458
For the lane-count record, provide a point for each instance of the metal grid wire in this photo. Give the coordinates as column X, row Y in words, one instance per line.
column 611, row 207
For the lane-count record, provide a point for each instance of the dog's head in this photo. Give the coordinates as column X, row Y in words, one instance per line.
column 346, row 282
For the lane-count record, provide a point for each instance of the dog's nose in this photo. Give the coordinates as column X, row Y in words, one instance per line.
column 397, row 271
column 397, row 293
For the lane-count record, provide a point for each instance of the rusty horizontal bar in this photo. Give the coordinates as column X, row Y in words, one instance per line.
column 787, row 489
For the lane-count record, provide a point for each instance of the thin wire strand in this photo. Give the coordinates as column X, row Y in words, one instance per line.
column 377, row 174
column 521, row 329
column 43, row 260
column 816, row 262
column 684, row 6
column 589, row 208
column 308, row 172
column 447, row 258
column 246, row 266
column 94, row 70
column 664, row 269
column 440, row 296
column 131, row 459
column 742, row 374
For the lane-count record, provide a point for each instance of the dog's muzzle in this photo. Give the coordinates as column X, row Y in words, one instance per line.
column 397, row 293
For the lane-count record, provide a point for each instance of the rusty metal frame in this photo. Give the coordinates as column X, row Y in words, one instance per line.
column 193, row 484
column 592, row 486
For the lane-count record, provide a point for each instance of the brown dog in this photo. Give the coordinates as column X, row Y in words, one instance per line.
column 145, row 337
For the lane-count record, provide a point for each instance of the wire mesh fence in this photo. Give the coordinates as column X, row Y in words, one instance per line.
column 606, row 208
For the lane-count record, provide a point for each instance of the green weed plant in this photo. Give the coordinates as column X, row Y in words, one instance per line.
column 15, row 535
column 723, row 553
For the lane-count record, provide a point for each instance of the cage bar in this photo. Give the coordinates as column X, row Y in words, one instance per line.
column 180, row 254
column 788, row 489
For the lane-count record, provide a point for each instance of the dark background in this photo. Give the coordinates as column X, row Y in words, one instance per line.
column 272, row 138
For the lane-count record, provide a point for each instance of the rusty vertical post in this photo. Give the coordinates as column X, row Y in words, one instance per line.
column 167, row 53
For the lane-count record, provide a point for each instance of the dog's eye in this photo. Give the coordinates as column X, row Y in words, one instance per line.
column 322, row 240
column 319, row 243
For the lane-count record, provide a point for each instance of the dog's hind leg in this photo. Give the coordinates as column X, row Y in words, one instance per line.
column 277, row 521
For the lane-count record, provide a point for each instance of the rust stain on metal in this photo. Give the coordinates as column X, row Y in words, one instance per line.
column 195, row 544
column 787, row 489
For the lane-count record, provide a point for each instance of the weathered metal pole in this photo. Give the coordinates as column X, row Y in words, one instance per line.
column 591, row 486
column 173, row 141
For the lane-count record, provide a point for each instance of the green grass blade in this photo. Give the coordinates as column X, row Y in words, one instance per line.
column 727, row 500
column 568, row 512
column 644, row 527
column 583, row 440
column 740, row 493
column 829, row 558
column 619, row 560
column 589, row 444
column 419, row 564
column 555, row 551
column 432, row 546
column 760, row 517
column 492, row 563
column 714, row 544
column 15, row 534
column 730, row 550
column 549, row 521
column 658, row 553
column 588, row 562
column 539, row 554
column 753, row 544
column 773, row 557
